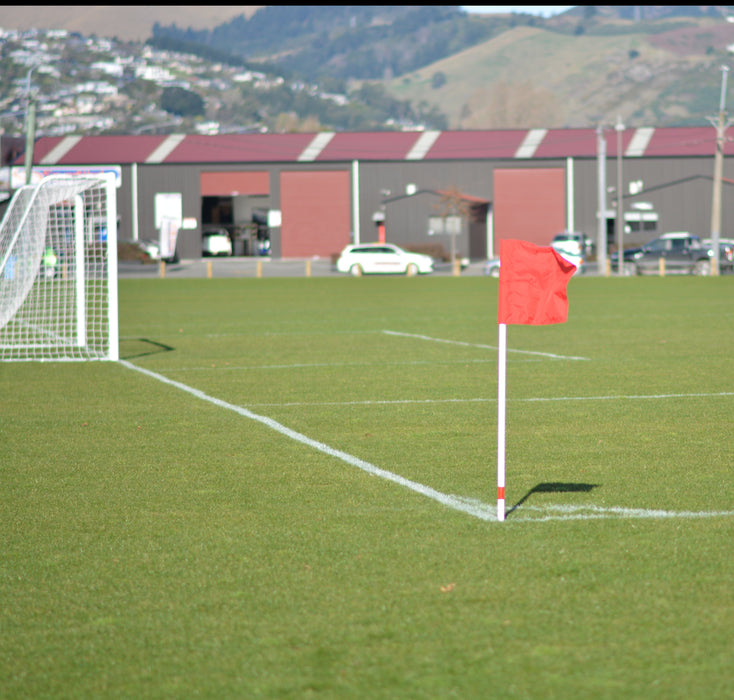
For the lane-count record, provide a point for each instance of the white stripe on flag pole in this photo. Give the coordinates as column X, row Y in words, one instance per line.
column 501, row 399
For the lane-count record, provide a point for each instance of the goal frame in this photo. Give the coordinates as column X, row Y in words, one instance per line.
column 83, row 289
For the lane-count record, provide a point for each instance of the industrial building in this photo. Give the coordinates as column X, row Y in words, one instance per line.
column 309, row 195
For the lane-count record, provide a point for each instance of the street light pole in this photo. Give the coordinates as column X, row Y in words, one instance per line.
column 620, row 211
column 30, row 128
column 601, row 230
column 721, row 125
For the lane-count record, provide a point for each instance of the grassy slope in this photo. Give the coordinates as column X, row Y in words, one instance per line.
column 155, row 545
column 578, row 79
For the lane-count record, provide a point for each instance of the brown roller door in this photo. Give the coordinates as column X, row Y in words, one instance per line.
column 316, row 213
column 529, row 204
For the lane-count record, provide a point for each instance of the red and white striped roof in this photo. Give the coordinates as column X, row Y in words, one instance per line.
column 520, row 144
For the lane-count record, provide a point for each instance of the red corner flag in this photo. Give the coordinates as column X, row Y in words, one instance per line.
column 532, row 287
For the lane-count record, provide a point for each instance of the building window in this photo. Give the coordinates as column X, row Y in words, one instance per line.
column 641, row 222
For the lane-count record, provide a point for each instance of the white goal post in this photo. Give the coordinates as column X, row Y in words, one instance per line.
column 58, row 271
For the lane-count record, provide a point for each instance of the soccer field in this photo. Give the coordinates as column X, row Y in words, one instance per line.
column 287, row 489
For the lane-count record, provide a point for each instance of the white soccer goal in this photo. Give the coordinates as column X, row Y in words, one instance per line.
column 58, row 271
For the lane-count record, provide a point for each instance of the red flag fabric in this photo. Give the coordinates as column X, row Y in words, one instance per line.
column 532, row 286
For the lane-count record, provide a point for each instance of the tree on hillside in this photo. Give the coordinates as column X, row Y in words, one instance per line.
column 508, row 106
column 181, row 102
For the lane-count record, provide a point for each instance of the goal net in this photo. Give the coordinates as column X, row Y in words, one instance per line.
column 58, row 271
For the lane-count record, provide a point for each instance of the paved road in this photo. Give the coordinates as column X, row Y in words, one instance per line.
column 265, row 267
column 254, row 267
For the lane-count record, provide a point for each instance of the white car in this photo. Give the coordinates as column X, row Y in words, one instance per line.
column 382, row 258
column 151, row 249
column 572, row 243
column 216, row 241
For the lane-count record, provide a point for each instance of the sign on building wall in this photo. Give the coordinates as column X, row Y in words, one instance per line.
column 13, row 177
column 450, row 225
column 168, row 220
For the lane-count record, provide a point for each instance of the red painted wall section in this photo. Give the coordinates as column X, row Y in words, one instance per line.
column 529, row 204
column 234, row 183
column 315, row 206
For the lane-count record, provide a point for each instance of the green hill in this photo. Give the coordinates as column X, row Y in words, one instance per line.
column 665, row 72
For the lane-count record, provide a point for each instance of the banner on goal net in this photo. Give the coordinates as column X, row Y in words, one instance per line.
column 58, row 271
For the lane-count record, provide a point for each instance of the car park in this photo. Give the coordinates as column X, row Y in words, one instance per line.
column 382, row 258
column 677, row 252
column 216, row 241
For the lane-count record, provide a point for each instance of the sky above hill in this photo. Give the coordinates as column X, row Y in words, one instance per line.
column 542, row 10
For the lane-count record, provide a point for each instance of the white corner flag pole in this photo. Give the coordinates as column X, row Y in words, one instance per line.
column 501, row 398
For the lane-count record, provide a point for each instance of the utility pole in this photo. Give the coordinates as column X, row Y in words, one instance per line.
column 30, row 128
column 720, row 123
column 620, row 210
column 601, row 230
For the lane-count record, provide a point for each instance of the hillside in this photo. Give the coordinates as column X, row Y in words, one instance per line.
column 532, row 77
column 127, row 22
column 307, row 68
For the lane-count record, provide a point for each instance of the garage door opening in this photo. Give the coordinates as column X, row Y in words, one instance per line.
column 238, row 203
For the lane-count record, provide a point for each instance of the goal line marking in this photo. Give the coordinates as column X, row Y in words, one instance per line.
column 531, row 399
column 470, row 506
column 481, row 345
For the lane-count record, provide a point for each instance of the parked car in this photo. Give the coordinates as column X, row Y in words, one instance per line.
column 726, row 253
column 382, row 258
column 151, row 249
column 571, row 242
column 216, row 241
column 492, row 267
column 681, row 252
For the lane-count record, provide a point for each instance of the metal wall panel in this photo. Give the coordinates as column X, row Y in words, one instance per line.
column 406, row 220
column 678, row 190
column 154, row 179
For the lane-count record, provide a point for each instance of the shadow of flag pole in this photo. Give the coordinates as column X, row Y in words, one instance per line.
column 532, row 291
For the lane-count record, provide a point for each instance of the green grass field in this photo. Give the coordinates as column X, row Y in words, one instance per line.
column 165, row 540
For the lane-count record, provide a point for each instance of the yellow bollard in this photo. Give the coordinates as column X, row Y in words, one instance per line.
column 308, row 268
column 457, row 267
column 259, row 268
column 209, row 269
column 163, row 269
column 608, row 271
column 661, row 267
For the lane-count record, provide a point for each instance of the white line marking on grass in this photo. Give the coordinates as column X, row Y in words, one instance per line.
column 631, row 397
column 536, row 399
column 592, row 512
column 329, row 365
column 369, row 402
column 477, row 509
column 480, row 345
column 470, row 506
